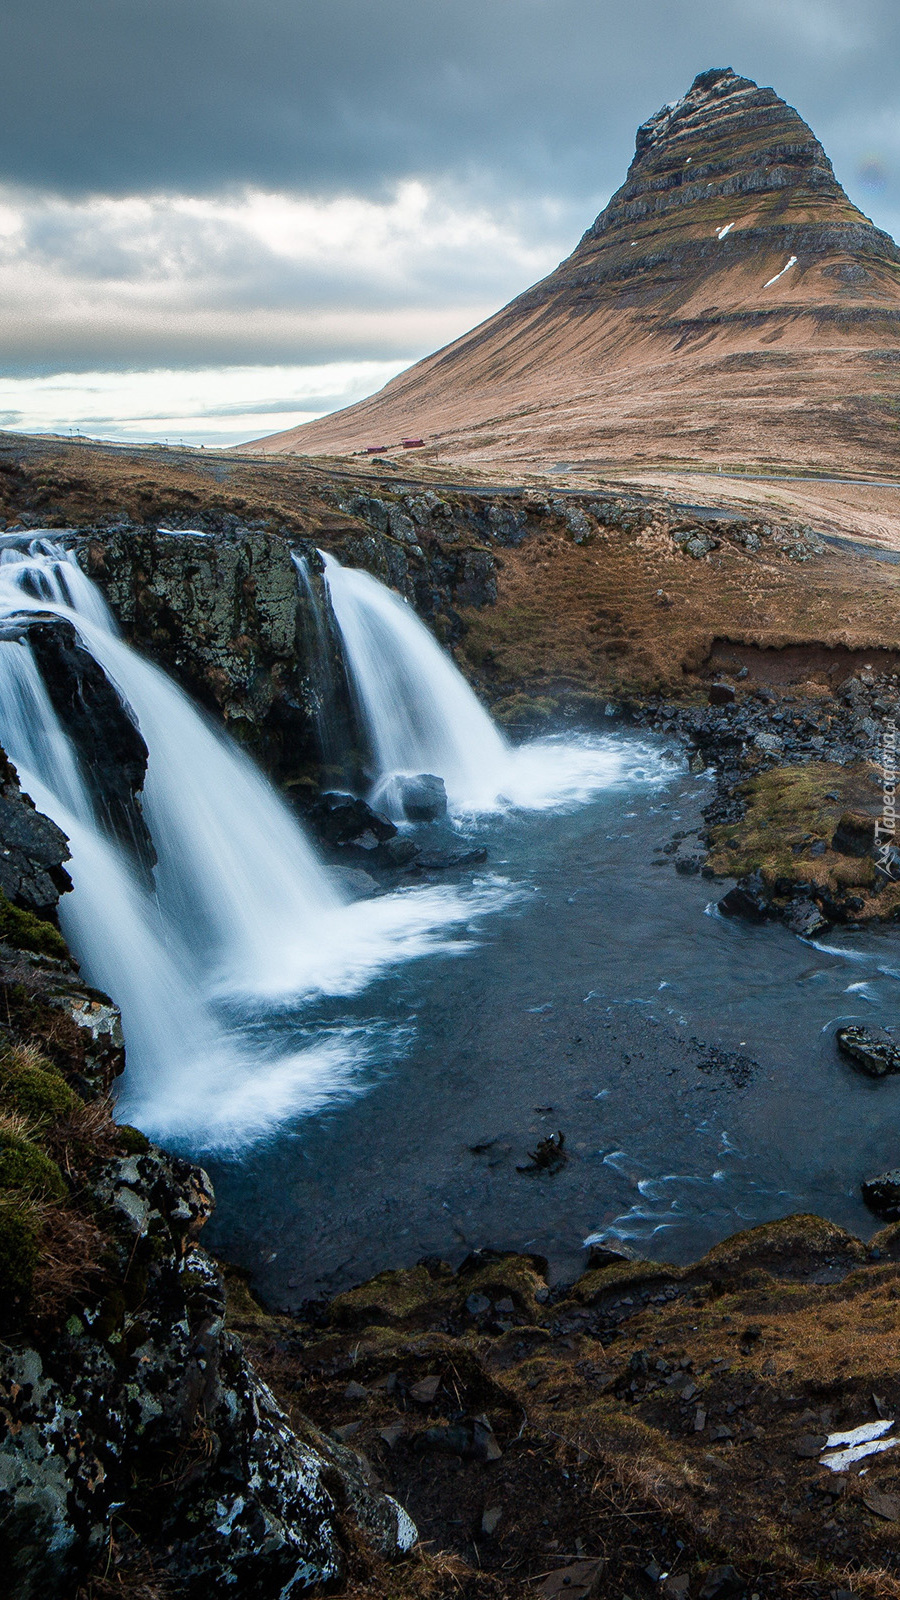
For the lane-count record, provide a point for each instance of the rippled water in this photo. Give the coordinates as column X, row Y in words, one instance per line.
column 689, row 1061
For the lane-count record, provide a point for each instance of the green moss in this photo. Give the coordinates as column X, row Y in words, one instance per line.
column 18, row 1256
column 31, row 1085
column 132, row 1141
column 23, row 1166
column 789, row 810
column 388, row 1298
column 27, row 932
column 803, row 1239
column 604, row 1280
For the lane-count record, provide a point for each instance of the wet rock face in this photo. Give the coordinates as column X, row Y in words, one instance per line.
column 32, row 849
column 222, row 613
column 225, row 612
column 112, row 752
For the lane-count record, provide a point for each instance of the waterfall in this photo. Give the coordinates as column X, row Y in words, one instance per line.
column 241, row 916
column 420, row 715
column 418, row 711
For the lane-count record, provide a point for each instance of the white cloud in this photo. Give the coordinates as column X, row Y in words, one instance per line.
column 174, row 279
column 211, row 406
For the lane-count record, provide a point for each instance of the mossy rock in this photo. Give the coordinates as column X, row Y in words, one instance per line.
column 390, row 1297
column 513, row 1277
column 793, row 1246
column 32, row 1086
column 131, row 1141
column 18, row 1258
column 23, row 1166
column 619, row 1277
column 792, row 812
column 25, row 931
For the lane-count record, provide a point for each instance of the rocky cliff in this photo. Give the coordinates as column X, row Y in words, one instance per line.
column 139, row 1450
column 729, row 305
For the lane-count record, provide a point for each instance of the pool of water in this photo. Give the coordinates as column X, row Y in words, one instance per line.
column 689, row 1061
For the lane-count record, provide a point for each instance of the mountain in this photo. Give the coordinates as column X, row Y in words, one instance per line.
column 730, row 305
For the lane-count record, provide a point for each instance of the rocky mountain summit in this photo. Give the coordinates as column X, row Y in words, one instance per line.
column 730, row 304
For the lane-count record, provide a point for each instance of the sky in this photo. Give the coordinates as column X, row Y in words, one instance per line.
column 219, row 218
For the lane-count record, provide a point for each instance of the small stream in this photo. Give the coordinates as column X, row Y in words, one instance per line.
column 688, row 1059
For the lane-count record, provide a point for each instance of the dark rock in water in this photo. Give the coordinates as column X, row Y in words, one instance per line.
column 854, row 835
column 722, row 694
column 550, row 1155
column 882, row 1195
column 609, row 1254
column 875, row 1052
column 423, row 798
column 747, row 899
column 113, row 755
column 398, row 852
column 358, row 884
column 341, row 819
column 804, row 918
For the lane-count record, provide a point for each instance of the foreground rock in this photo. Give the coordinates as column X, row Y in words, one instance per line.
column 135, row 1436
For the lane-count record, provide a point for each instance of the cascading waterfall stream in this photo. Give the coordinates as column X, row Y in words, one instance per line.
column 420, row 715
column 242, row 916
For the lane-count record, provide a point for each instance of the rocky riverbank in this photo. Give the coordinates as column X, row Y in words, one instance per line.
column 647, row 1430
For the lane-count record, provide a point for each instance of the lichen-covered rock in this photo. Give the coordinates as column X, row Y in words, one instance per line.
column 143, row 1375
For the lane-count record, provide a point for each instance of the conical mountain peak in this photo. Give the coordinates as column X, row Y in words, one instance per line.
column 729, row 236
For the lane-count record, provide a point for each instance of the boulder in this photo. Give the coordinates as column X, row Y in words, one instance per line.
column 747, row 899
column 722, row 694
column 882, row 1195
column 804, row 918
column 341, row 819
column 854, row 835
column 871, row 1050
column 421, row 798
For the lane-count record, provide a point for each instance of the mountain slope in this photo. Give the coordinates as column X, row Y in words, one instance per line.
column 730, row 305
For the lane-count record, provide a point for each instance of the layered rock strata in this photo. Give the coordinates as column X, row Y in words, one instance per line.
column 730, row 304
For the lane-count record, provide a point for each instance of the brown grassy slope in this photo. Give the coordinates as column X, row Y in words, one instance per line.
column 657, row 340
column 661, row 1420
column 626, row 612
column 630, row 613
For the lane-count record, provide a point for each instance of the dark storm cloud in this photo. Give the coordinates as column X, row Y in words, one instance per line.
column 534, row 95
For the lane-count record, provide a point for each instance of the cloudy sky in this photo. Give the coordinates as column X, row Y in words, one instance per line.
column 222, row 217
